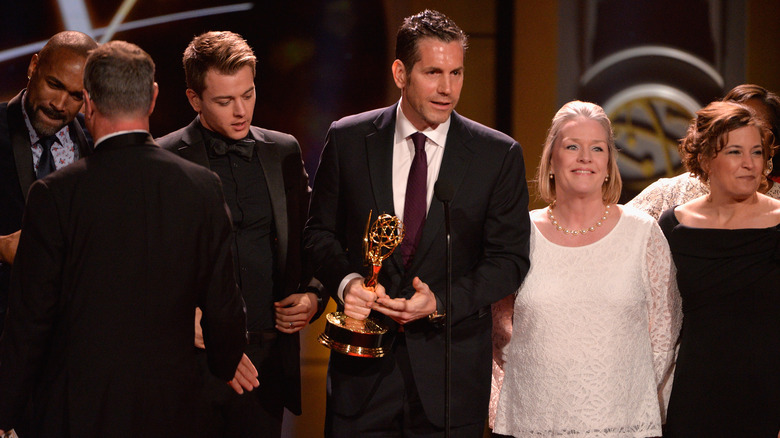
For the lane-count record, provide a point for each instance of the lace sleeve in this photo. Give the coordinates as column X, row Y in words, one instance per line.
column 664, row 311
column 503, row 311
column 654, row 199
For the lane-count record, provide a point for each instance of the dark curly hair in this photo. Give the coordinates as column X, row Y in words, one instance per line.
column 708, row 133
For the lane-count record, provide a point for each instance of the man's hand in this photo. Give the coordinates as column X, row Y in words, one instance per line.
column 403, row 311
column 358, row 301
column 295, row 311
column 198, row 329
column 245, row 377
column 8, row 245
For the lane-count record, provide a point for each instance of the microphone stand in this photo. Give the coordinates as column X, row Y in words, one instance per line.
column 444, row 193
column 448, row 323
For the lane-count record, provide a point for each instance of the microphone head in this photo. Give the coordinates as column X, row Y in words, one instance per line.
column 443, row 190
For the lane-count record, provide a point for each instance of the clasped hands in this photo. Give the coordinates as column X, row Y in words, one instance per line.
column 359, row 302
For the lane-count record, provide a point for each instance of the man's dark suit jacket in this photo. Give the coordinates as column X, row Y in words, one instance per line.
column 116, row 252
column 490, row 232
column 288, row 188
column 17, row 174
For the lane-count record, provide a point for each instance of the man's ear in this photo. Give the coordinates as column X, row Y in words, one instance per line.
column 194, row 99
column 88, row 107
column 399, row 74
column 154, row 99
column 33, row 65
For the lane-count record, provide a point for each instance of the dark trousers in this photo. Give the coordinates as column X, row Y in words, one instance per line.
column 255, row 414
column 394, row 410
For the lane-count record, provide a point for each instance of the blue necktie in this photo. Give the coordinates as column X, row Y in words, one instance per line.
column 416, row 203
column 46, row 163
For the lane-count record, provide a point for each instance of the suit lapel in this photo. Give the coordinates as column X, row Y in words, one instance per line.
column 457, row 155
column 379, row 152
column 193, row 148
column 20, row 142
column 274, row 178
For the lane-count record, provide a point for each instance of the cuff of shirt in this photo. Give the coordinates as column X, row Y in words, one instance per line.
column 343, row 285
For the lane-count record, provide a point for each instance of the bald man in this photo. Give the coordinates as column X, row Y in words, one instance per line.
column 40, row 133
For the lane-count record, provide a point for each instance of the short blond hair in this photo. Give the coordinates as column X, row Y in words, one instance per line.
column 224, row 51
column 574, row 110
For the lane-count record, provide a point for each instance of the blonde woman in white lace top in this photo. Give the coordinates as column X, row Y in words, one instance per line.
column 597, row 317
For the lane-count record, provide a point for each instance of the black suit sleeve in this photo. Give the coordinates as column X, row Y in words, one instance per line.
column 322, row 247
column 504, row 260
column 224, row 317
column 308, row 283
column 34, row 299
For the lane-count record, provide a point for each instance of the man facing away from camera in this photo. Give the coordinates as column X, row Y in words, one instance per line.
column 117, row 251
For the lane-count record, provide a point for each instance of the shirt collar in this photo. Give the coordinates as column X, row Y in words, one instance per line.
column 404, row 128
column 114, row 134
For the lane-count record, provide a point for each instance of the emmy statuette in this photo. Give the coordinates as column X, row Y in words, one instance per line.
column 364, row 338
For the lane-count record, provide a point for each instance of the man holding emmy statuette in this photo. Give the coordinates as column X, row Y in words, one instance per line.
column 388, row 161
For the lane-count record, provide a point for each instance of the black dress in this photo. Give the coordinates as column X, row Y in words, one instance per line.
column 727, row 380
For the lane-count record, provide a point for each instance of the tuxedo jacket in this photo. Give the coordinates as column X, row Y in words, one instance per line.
column 288, row 188
column 490, row 232
column 17, row 174
column 117, row 250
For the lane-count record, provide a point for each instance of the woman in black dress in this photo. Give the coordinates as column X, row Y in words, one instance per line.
column 726, row 246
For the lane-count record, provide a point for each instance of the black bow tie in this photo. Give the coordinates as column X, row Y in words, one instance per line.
column 244, row 148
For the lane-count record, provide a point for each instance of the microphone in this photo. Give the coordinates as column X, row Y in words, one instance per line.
column 444, row 191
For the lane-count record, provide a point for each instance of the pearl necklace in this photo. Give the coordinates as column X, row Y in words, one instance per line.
column 567, row 231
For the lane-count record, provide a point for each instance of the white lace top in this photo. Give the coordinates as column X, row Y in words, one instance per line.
column 593, row 339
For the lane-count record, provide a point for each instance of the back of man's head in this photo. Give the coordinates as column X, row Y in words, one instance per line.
column 119, row 77
column 224, row 51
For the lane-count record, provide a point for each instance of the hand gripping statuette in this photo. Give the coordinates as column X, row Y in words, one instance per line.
column 364, row 338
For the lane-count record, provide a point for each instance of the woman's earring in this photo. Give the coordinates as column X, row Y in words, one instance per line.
column 606, row 180
column 769, row 166
column 551, row 175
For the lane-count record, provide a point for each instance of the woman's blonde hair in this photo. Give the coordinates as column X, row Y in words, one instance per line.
column 574, row 110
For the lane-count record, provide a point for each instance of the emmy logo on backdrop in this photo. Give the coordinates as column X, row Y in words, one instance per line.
column 364, row 338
